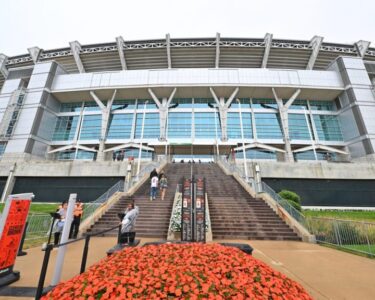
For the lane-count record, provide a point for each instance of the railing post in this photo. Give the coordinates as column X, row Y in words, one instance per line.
column 84, row 255
column 119, row 234
column 20, row 251
column 43, row 272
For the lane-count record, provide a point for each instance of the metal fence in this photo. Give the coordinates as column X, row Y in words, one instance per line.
column 352, row 235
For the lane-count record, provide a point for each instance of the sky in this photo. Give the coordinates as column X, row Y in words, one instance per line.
column 51, row 24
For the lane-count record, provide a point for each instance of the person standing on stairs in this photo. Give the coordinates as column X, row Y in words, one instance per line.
column 153, row 173
column 154, row 187
column 163, row 185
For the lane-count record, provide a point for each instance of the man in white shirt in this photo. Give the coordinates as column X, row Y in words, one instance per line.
column 154, row 187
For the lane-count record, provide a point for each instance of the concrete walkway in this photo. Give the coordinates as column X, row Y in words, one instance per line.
column 325, row 273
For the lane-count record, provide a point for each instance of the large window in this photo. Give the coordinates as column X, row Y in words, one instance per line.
column 179, row 125
column 297, row 104
column 120, row 126
column 182, row 103
column 2, row 148
column 203, row 102
column 123, row 104
column 245, row 103
column 73, row 154
column 320, row 155
column 205, row 125
column 264, row 103
column 268, row 126
column 328, row 128
column 298, row 129
column 323, row 105
column 65, row 128
column 91, row 127
column 71, row 107
column 234, row 126
column 150, row 104
column 151, row 126
column 256, row 154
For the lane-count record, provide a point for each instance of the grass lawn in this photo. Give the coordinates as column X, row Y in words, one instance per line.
column 356, row 215
column 39, row 208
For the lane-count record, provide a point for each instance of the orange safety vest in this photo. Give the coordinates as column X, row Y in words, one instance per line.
column 78, row 210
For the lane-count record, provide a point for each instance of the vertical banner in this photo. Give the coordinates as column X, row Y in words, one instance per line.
column 200, row 224
column 12, row 225
column 186, row 213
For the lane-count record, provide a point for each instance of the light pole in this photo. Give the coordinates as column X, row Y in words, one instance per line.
column 243, row 140
column 217, row 145
column 310, row 134
column 140, row 143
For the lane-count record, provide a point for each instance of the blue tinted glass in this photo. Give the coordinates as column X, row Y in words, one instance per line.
column 298, row 129
column 123, row 104
column 179, row 125
column 268, row 126
column 205, row 125
column 182, row 103
column 245, row 103
column 322, row 105
column 120, row 126
column 71, row 154
column 71, row 107
column 309, row 155
column 256, row 154
column 150, row 104
column 151, row 126
column 264, row 103
column 92, row 106
column 2, row 148
column 328, row 128
column 131, row 152
column 234, row 125
column 297, row 104
column 91, row 127
column 65, row 128
column 203, row 102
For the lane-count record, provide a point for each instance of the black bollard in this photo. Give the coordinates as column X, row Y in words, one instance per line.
column 43, row 272
column 84, row 255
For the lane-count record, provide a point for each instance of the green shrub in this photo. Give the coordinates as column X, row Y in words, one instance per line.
column 293, row 198
column 289, row 195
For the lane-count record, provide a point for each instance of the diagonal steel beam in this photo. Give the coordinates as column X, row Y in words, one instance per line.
column 168, row 39
column 316, row 42
column 120, row 48
column 217, row 60
column 75, row 47
column 267, row 49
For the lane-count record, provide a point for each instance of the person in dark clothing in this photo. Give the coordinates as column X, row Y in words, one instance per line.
column 78, row 212
column 153, row 173
column 61, row 221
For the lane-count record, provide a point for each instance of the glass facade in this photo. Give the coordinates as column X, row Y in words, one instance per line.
column 234, row 125
column 245, row 103
column 297, row 104
column 120, row 126
column 323, row 105
column 76, row 154
column 150, row 104
column 2, row 148
column 91, row 127
column 328, row 128
column 320, row 155
column 298, row 128
column 268, row 126
column 204, row 124
column 123, row 105
column 203, row 102
column 256, row 154
column 71, row 107
column 151, row 126
column 65, row 129
column 264, row 103
column 179, row 125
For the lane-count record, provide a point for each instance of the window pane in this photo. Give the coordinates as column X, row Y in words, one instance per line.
column 203, row 102
column 179, row 125
column 256, row 154
column 182, row 103
column 245, row 103
column 328, row 128
column 2, row 148
column 92, row 106
column 268, row 126
column 323, row 105
column 123, row 104
column 150, row 104
column 91, row 127
column 151, row 126
column 321, row 155
column 65, row 128
column 71, row 107
column 205, row 125
column 264, row 103
column 234, row 125
column 297, row 104
column 120, row 126
column 298, row 129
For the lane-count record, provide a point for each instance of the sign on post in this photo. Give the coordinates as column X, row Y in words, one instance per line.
column 12, row 225
column 200, row 224
column 187, row 210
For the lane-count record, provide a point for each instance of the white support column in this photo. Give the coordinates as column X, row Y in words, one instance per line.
column 3, row 69
column 283, row 110
column 75, row 47
column 163, row 110
column 34, row 53
column 223, row 110
column 362, row 47
column 253, row 125
column 120, row 48
column 315, row 43
column 168, row 39
column 134, row 122
column 267, row 49
column 217, row 60
column 106, row 113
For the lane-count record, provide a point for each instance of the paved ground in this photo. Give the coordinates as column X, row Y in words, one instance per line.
column 324, row 272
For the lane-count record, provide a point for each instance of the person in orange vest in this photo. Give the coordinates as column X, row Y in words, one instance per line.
column 77, row 215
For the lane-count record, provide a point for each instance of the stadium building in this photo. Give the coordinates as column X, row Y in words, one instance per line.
column 301, row 110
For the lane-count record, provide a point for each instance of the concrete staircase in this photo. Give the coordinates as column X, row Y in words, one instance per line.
column 234, row 213
column 153, row 219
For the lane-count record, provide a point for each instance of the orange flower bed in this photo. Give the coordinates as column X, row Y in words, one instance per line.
column 179, row 271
